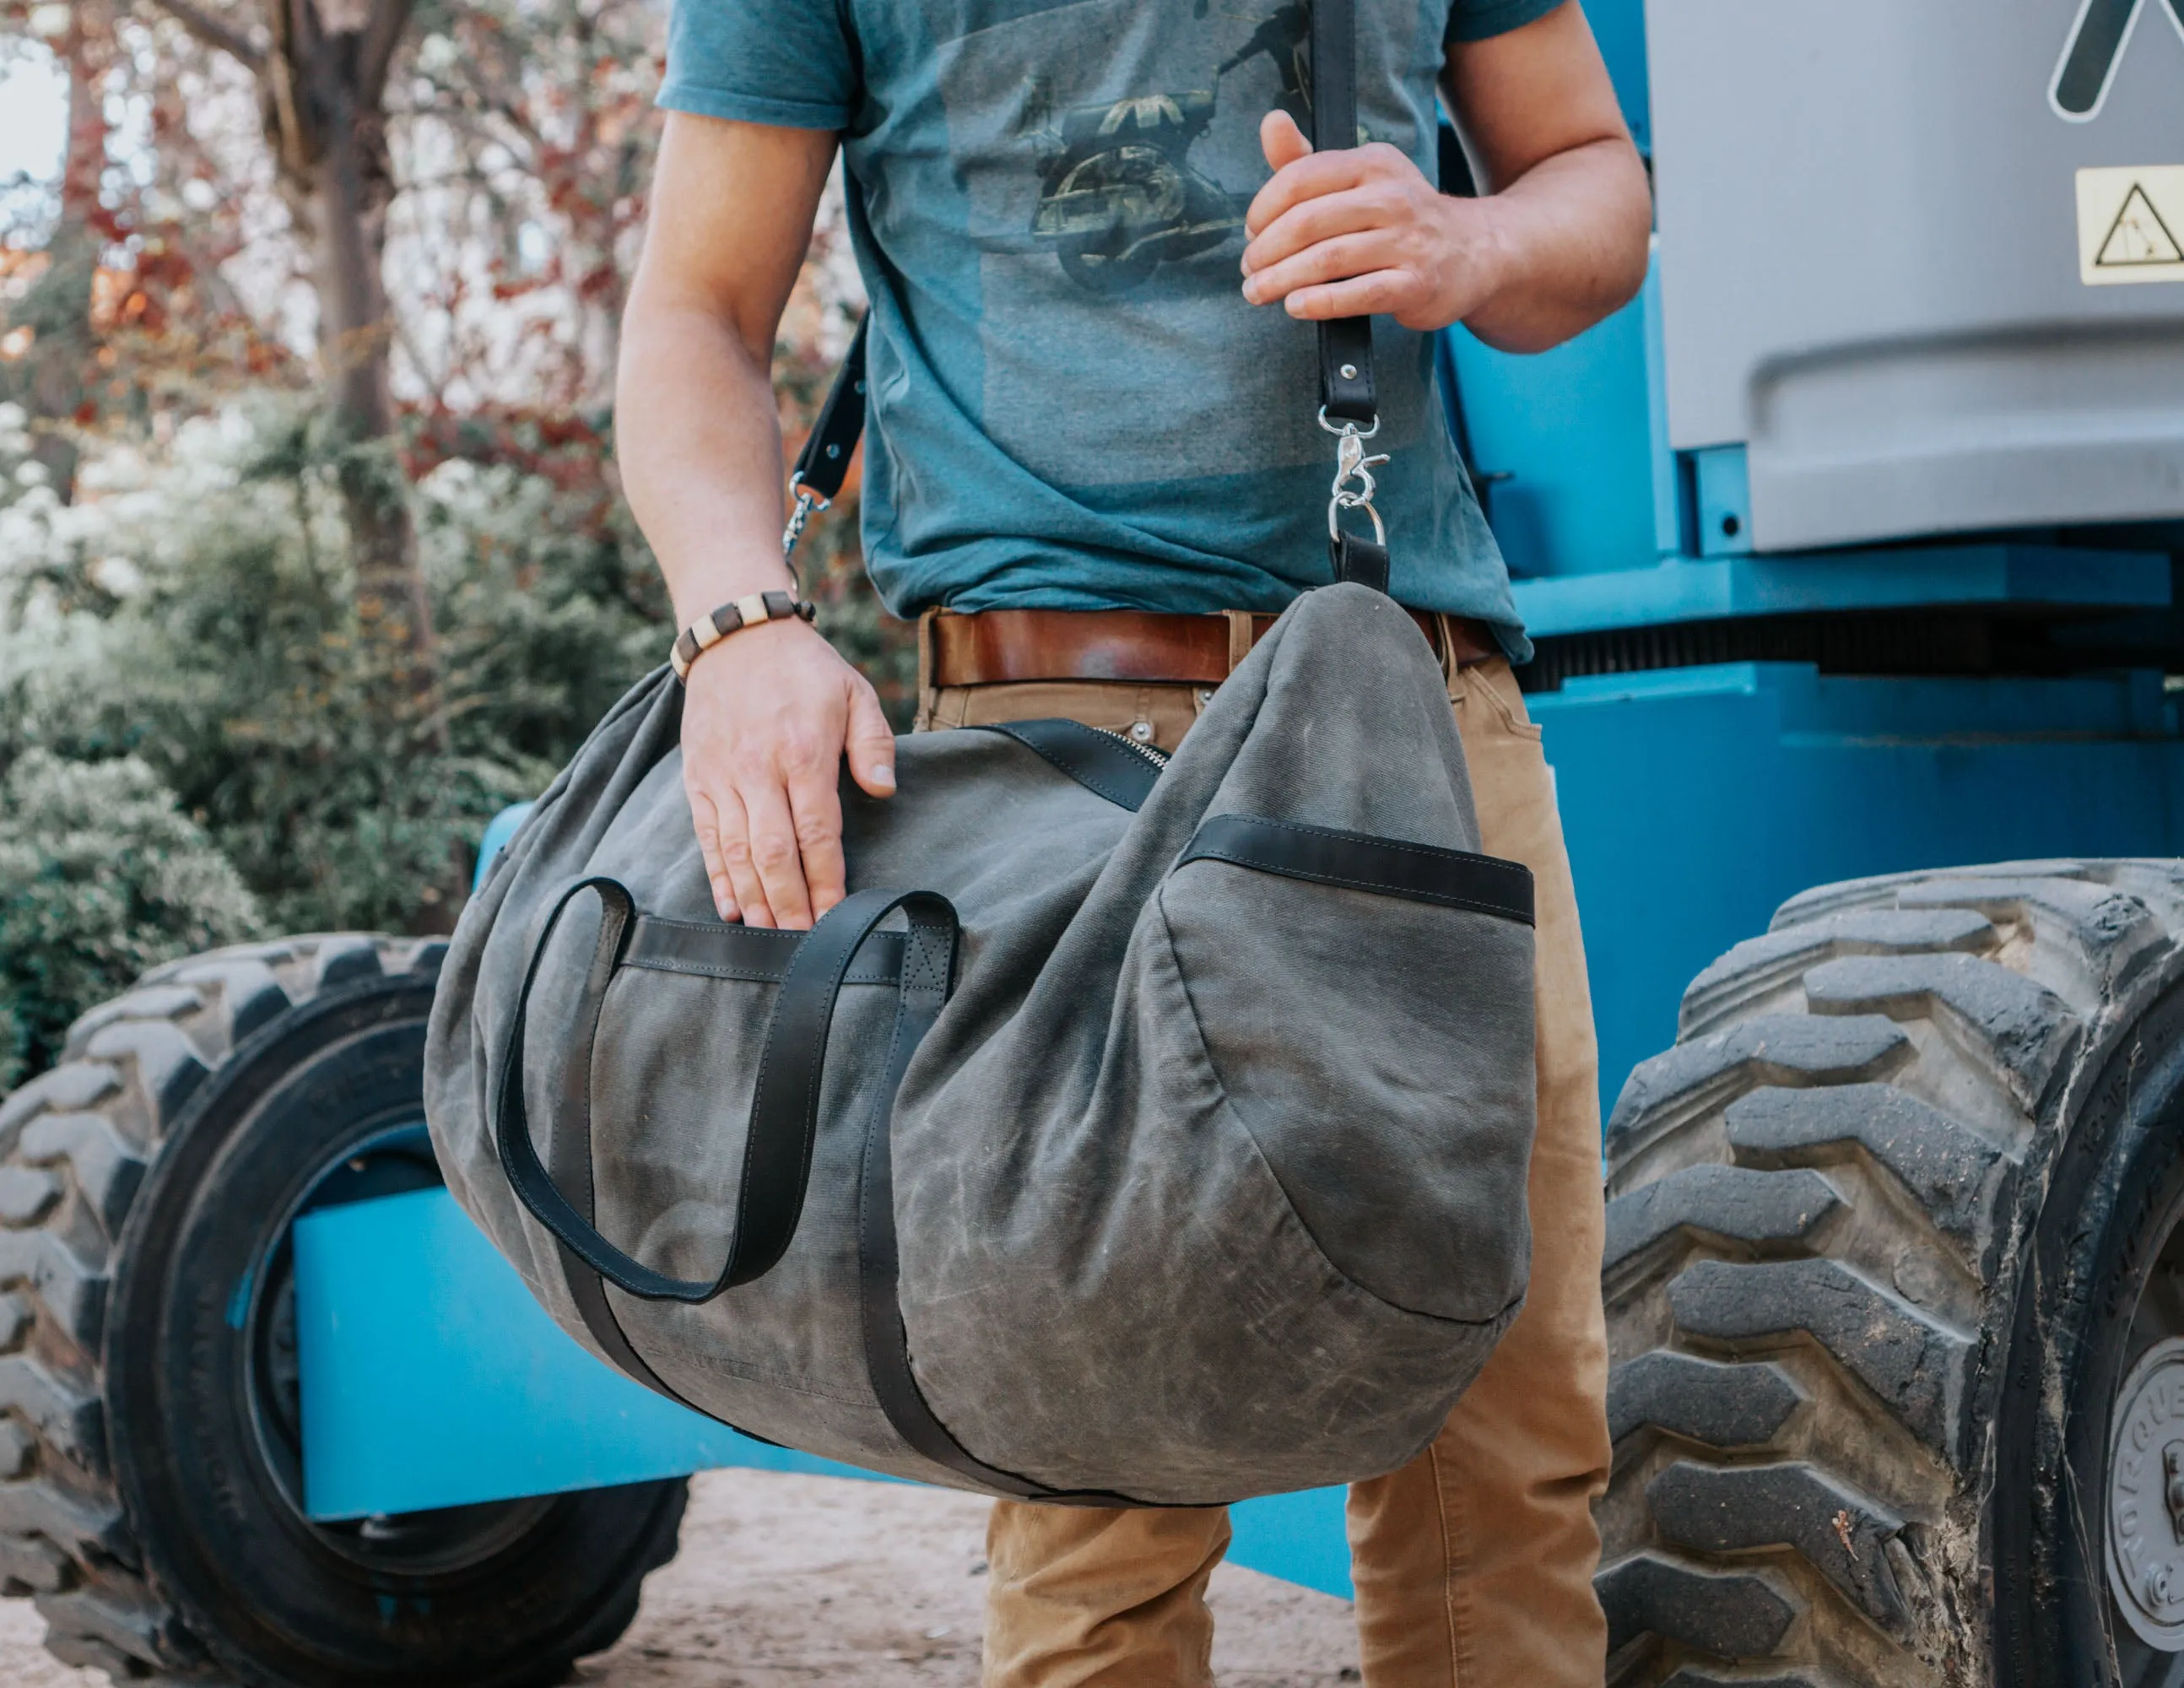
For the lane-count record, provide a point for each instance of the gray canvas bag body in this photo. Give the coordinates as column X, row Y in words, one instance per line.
column 1129, row 1134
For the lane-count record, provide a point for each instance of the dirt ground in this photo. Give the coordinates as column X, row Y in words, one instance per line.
column 786, row 1580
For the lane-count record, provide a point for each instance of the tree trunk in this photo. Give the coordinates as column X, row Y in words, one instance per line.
column 324, row 116
column 57, row 310
column 350, row 191
column 321, row 74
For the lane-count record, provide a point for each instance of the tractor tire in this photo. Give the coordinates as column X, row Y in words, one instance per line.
column 150, row 1467
column 1894, row 1286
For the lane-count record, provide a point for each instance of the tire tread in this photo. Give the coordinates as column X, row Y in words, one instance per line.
column 1793, row 1389
column 87, row 1128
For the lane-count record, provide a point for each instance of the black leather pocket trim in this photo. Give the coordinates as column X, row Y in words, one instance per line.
column 1392, row 867
column 758, row 954
column 1099, row 762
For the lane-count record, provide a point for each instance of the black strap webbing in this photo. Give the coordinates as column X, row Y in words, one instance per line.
column 785, row 1113
column 1346, row 344
column 887, row 1346
column 824, row 463
column 571, row 1150
column 1360, row 559
column 879, row 1267
column 760, row 954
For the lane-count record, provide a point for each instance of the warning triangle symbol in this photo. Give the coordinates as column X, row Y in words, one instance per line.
column 2138, row 236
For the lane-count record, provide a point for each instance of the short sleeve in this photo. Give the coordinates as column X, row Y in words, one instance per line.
column 1478, row 19
column 788, row 63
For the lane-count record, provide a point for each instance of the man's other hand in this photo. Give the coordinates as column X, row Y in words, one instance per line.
column 1362, row 233
column 768, row 716
column 1558, row 241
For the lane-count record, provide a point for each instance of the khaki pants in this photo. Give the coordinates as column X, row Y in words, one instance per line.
column 1474, row 1563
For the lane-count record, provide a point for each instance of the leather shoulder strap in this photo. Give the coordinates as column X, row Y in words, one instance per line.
column 1346, row 344
column 824, row 463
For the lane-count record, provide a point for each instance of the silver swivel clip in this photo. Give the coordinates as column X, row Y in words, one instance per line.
column 1353, row 463
column 808, row 504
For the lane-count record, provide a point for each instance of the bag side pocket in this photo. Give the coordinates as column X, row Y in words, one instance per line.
column 1379, row 1047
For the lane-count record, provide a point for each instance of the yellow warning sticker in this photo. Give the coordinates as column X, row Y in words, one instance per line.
column 2130, row 225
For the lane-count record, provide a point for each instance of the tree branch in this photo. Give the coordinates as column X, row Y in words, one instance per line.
column 213, row 33
column 383, row 30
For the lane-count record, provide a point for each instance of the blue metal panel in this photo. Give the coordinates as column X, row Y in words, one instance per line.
column 1565, row 438
column 1299, row 1538
column 1669, row 538
column 1680, row 589
column 1620, row 27
column 498, row 831
column 1722, row 486
column 1695, row 800
column 430, row 1378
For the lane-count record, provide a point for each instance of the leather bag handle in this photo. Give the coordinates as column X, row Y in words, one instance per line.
column 784, row 1118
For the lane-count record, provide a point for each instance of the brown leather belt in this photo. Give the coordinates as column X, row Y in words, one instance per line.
column 1002, row 646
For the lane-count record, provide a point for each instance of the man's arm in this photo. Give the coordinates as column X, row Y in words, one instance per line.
column 1558, row 244
column 770, row 711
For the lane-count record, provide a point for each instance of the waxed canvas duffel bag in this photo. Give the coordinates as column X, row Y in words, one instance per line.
column 1131, row 1133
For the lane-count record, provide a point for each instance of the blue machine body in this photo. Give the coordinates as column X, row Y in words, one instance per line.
column 432, row 1378
column 1694, row 799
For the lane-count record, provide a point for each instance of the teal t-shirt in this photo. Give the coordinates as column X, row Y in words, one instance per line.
column 1071, row 405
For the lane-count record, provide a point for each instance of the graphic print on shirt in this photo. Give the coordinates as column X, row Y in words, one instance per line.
column 1118, row 192
column 1107, row 151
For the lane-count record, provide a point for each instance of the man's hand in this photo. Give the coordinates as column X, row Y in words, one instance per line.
column 767, row 717
column 1558, row 244
column 1363, row 233
column 767, row 714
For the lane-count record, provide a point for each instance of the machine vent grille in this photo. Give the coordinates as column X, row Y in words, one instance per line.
column 1907, row 642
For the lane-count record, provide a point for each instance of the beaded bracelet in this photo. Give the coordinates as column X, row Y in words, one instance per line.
column 708, row 631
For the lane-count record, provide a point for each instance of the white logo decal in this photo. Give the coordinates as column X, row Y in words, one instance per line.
column 2096, row 46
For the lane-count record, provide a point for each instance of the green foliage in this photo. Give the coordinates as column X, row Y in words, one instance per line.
column 202, row 628
column 549, row 607
column 14, row 1045
column 204, row 733
column 210, row 661
column 101, row 877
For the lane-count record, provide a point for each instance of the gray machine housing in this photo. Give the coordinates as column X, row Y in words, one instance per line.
column 1891, row 320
